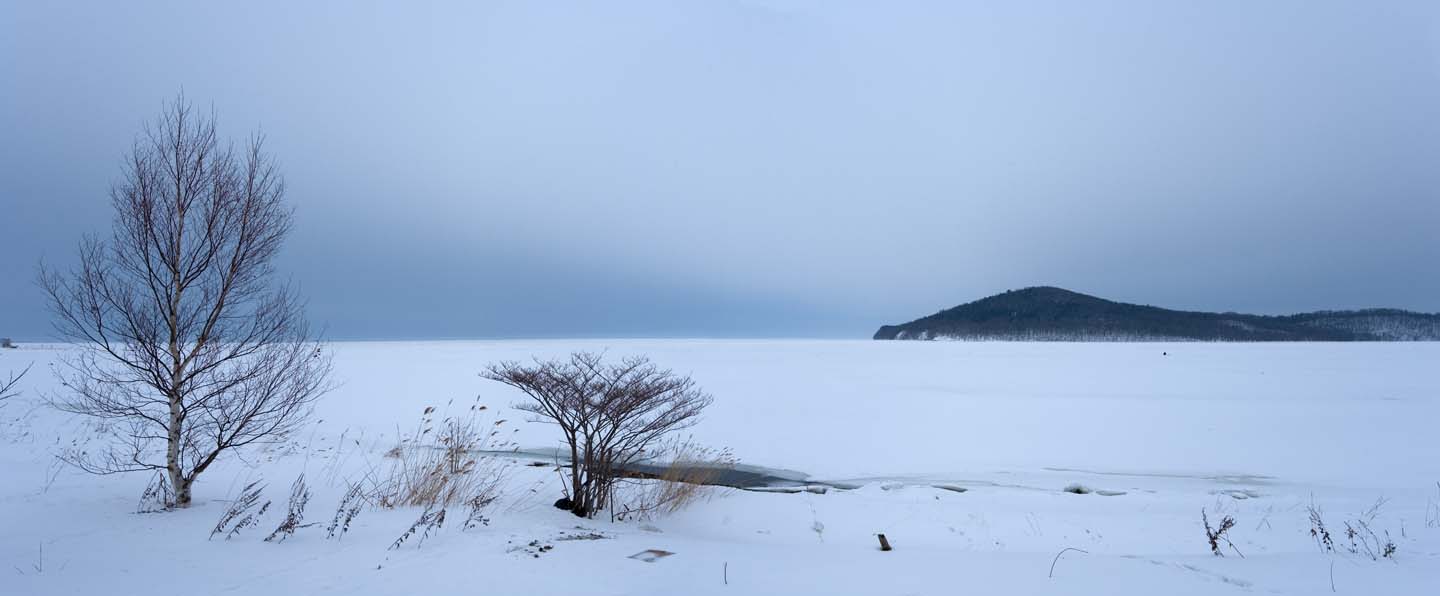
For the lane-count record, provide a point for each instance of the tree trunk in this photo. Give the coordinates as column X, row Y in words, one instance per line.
column 575, row 487
column 182, row 492
column 172, row 456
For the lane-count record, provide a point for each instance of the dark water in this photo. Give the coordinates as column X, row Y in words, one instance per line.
column 744, row 476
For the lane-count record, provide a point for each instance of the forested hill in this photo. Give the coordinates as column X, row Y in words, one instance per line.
column 1055, row 314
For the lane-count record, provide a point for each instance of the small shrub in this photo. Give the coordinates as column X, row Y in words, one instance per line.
column 611, row 414
column 295, row 513
column 242, row 512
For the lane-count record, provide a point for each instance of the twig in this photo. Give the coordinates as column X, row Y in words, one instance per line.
column 1057, row 558
column 1232, row 547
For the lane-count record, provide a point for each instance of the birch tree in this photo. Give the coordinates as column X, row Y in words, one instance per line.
column 186, row 348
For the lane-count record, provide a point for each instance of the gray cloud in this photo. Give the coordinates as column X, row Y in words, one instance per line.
column 761, row 168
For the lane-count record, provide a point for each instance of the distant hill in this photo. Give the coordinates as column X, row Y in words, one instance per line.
column 1054, row 314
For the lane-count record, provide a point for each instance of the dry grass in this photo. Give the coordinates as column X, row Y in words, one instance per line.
column 242, row 512
column 1215, row 535
column 441, row 462
column 346, row 512
column 429, row 522
column 158, row 496
column 688, row 478
column 1360, row 538
column 1432, row 509
column 295, row 513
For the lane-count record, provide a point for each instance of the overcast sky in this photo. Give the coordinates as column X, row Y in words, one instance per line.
column 759, row 168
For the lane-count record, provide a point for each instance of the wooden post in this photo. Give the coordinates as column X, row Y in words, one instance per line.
column 884, row 544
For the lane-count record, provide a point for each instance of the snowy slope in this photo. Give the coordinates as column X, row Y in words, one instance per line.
column 1255, row 431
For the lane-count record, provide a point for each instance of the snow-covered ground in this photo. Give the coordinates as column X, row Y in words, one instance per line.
column 1155, row 432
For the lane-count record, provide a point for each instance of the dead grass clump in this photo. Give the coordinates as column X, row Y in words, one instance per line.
column 689, row 476
column 295, row 514
column 477, row 507
column 242, row 512
column 158, row 496
column 1319, row 532
column 1360, row 538
column 346, row 512
column 443, row 463
column 429, row 521
column 1363, row 540
column 1215, row 535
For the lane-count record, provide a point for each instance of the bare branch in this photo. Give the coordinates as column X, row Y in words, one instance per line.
column 7, row 385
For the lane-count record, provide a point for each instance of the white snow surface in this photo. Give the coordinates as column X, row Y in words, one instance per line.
column 1154, row 432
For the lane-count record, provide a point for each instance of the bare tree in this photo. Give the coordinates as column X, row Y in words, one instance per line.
column 609, row 414
column 184, row 343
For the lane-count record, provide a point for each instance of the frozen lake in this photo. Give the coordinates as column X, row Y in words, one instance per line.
column 1303, row 412
column 959, row 452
